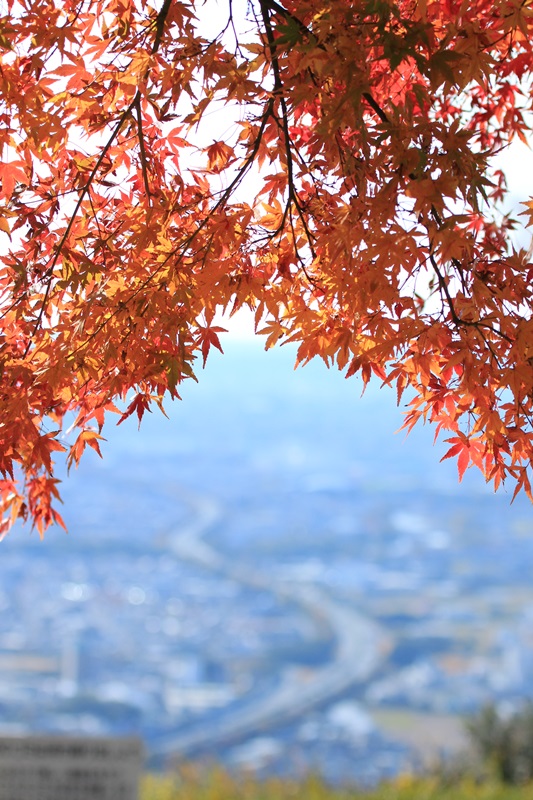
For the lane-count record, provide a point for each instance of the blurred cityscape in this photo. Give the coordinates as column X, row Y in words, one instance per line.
column 273, row 580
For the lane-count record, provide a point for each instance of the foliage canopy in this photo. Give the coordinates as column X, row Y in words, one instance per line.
column 506, row 743
column 329, row 165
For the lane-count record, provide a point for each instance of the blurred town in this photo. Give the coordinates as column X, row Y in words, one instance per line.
column 273, row 580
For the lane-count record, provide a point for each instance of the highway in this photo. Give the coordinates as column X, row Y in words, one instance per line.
column 361, row 645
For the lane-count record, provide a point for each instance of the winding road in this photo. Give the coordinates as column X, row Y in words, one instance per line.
column 360, row 647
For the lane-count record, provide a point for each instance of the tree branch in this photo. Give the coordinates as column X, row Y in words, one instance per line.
column 142, row 149
column 160, row 25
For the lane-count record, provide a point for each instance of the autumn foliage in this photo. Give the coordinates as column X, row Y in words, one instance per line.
column 329, row 165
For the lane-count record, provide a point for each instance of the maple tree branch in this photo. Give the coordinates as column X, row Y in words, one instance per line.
column 454, row 261
column 444, row 286
column 376, row 107
column 279, row 9
column 278, row 90
column 267, row 113
column 278, row 87
column 49, row 274
column 190, row 239
column 299, row 257
column 231, row 22
column 455, row 317
column 142, row 149
column 160, row 25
